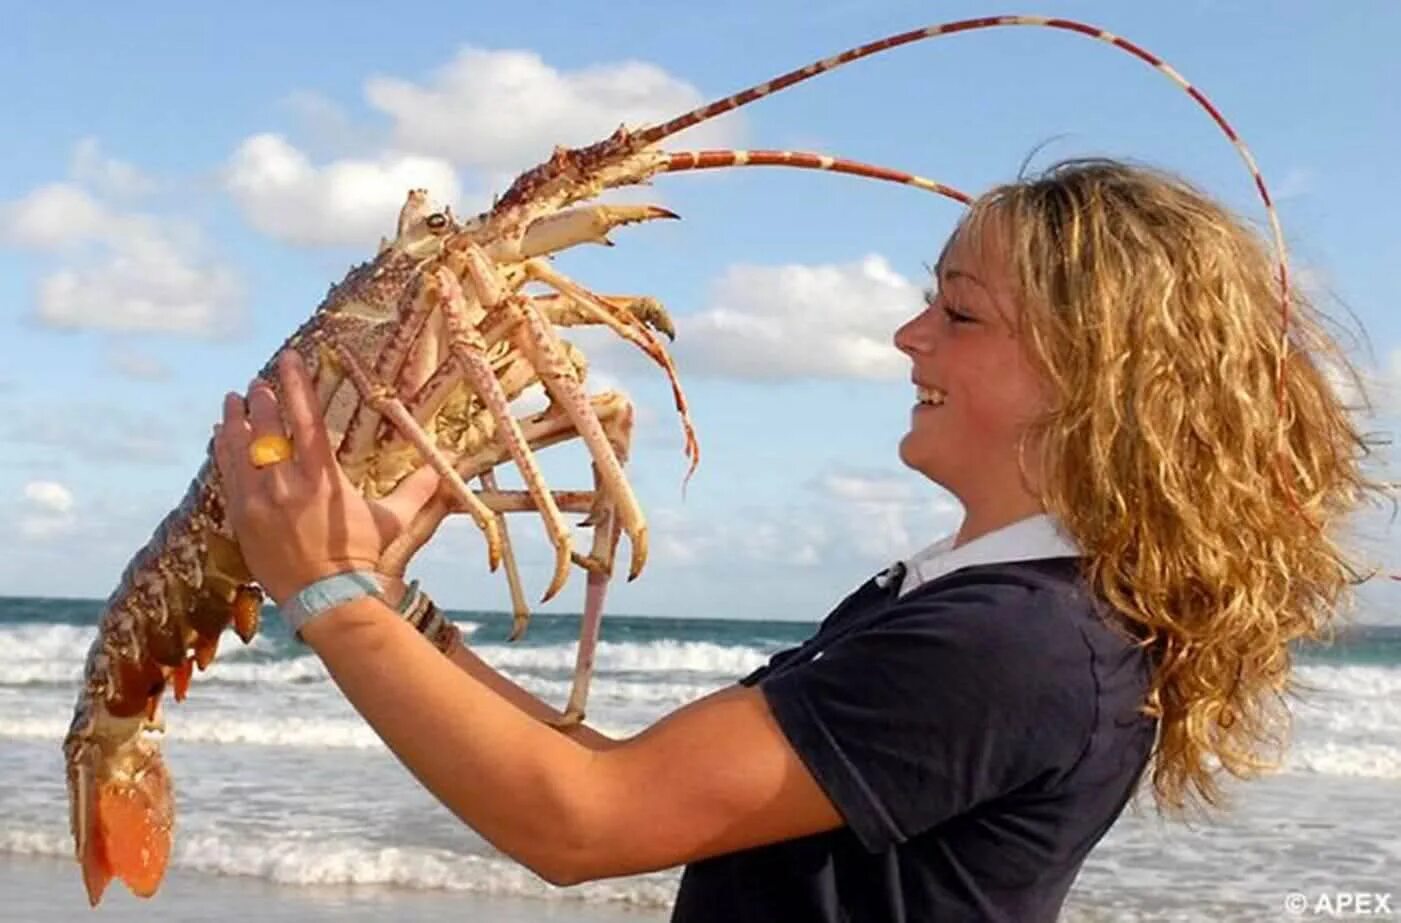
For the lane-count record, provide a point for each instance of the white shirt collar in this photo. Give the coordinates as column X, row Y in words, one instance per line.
column 1038, row 536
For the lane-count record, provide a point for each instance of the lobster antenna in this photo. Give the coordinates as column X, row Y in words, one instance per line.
column 708, row 160
column 657, row 133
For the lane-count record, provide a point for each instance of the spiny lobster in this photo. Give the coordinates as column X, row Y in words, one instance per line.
column 417, row 355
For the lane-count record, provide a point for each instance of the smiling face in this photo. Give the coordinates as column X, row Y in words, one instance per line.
column 976, row 388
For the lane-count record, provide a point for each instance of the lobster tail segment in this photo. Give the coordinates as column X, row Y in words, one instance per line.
column 123, row 824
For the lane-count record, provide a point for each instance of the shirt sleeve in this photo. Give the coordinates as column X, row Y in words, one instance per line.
column 950, row 700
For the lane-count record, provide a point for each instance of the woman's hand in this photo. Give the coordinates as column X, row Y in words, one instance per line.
column 301, row 519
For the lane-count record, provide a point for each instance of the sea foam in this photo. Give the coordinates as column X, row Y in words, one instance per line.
column 305, row 859
column 662, row 656
column 313, row 733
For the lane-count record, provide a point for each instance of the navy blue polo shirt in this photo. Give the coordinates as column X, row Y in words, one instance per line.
column 978, row 735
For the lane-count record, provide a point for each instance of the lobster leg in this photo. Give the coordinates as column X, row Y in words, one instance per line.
column 599, row 565
column 445, row 382
column 541, row 431
column 596, row 589
column 520, row 611
column 616, row 417
column 637, row 334
column 546, row 429
column 388, row 404
column 538, row 341
column 563, row 311
column 520, row 501
column 469, row 349
column 511, row 370
column 409, row 336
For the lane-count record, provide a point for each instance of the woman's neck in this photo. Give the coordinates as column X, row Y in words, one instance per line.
column 980, row 519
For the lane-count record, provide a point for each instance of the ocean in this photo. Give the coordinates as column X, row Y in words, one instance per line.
column 278, row 780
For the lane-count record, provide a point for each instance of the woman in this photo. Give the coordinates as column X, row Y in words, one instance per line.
column 1096, row 383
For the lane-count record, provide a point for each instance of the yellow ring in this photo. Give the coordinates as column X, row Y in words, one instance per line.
column 269, row 450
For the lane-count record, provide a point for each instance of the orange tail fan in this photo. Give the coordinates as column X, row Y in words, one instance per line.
column 124, row 827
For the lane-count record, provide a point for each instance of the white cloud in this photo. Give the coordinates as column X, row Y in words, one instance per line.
column 131, row 272
column 82, row 552
column 97, row 431
column 759, row 537
column 147, row 283
column 800, row 321
column 47, row 511
column 107, row 174
column 356, row 202
column 48, row 496
column 323, row 125
column 506, row 110
column 867, row 488
column 1380, row 385
column 52, row 217
column 494, row 112
column 894, row 514
column 1343, row 385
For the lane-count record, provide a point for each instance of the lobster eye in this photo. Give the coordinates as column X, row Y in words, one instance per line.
column 436, row 221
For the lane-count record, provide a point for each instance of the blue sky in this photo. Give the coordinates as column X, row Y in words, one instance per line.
column 179, row 185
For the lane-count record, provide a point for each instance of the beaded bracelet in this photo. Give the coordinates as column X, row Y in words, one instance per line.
column 423, row 614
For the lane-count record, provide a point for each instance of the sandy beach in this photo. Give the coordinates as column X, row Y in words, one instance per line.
column 1240, row 867
column 45, row 890
column 289, row 808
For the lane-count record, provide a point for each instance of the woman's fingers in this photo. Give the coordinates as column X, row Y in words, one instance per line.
column 235, row 418
column 264, row 420
column 413, row 492
column 231, row 439
column 303, row 416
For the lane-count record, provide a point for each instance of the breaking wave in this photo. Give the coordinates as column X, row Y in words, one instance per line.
column 304, row 859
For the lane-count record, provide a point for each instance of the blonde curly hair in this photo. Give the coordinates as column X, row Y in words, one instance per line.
column 1207, row 518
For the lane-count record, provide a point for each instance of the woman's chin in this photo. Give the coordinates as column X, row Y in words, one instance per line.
column 915, row 455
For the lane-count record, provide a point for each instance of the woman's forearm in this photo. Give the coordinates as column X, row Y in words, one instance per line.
column 393, row 592
column 483, row 672
column 513, row 779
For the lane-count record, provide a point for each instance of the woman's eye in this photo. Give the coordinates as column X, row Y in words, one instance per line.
column 957, row 317
column 933, row 300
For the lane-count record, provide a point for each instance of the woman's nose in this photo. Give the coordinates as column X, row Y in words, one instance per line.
column 916, row 334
